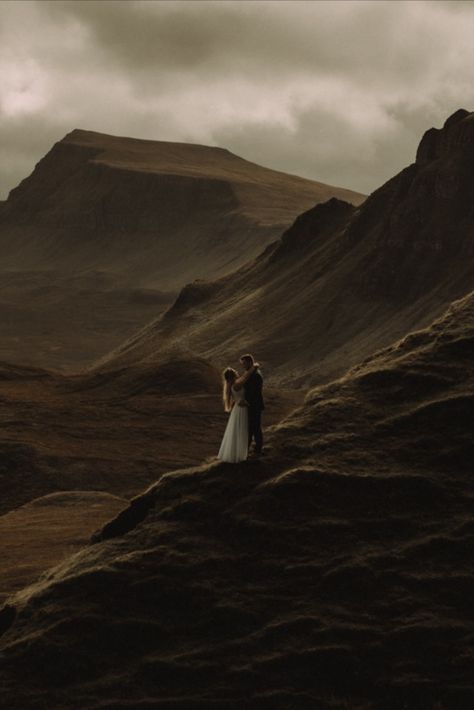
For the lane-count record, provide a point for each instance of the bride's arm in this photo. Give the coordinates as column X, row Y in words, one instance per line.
column 240, row 381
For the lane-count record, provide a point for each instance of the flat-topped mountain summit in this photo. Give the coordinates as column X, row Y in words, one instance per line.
column 201, row 161
column 155, row 211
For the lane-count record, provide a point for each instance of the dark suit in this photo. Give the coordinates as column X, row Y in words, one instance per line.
column 253, row 395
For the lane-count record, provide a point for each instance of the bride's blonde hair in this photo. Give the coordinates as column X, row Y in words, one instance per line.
column 229, row 375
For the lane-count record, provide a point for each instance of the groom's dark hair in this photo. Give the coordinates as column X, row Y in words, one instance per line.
column 247, row 357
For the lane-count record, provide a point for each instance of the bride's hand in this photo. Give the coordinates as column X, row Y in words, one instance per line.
column 243, row 403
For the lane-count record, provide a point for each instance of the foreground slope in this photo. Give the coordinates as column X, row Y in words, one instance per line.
column 342, row 281
column 74, row 450
column 100, row 237
column 334, row 573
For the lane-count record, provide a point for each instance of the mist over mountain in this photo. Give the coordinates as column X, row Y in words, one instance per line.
column 342, row 281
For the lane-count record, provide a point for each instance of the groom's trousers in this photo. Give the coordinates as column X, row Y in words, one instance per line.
column 255, row 428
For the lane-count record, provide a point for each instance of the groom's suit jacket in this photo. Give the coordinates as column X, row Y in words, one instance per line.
column 253, row 391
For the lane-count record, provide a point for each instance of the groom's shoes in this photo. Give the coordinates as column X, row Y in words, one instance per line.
column 256, row 454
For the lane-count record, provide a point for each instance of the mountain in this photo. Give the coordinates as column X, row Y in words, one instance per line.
column 155, row 211
column 101, row 236
column 335, row 572
column 342, row 281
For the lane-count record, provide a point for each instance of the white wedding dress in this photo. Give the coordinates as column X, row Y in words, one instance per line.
column 234, row 446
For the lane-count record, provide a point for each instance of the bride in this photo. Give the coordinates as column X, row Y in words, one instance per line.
column 235, row 442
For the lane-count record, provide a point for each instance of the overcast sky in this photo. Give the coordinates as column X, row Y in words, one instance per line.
column 336, row 91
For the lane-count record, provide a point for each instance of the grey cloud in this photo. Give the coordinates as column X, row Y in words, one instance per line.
column 151, row 35
column 323, row 145
column 354, row 38
column 466, row 6
column 327, row 145
column 339, row 92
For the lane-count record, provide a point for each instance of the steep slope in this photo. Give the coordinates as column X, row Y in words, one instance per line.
column 73, row 450
column 101, row 236
column 342, row 281
column 335, row 573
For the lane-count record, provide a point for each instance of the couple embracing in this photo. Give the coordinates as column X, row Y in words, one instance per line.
column 242, row 395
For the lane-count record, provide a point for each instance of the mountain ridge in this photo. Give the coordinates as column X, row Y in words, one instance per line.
column 353, row 278
column 175, row 148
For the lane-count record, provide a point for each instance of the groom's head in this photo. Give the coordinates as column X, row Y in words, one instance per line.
column 247, row 361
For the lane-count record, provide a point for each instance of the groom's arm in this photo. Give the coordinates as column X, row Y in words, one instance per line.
column 243, row 379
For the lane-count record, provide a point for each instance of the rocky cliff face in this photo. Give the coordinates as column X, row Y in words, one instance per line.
column 343, row 280
column 335, row 572
column 422, row 221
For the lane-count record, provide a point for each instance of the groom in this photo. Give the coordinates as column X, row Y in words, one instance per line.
column 253, row 395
